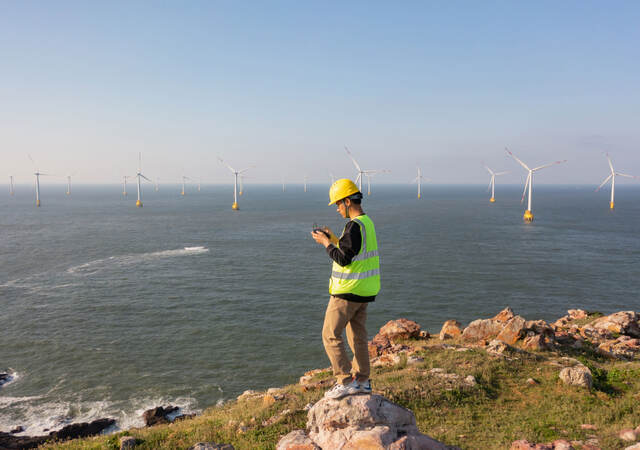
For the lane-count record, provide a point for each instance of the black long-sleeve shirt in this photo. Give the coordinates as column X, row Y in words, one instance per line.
column 349, row 246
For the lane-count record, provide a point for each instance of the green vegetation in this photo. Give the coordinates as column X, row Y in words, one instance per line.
column 499, row 408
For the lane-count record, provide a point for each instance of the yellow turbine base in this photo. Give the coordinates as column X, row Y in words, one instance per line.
column 68, row 193
column 138, row 203
column 38, row 203
column 611, row 205
column 492, row 200
column 419, row 195
column 124, row 193
column 240, row 193
column 234, row 206
column 528, row 216
column 182, row 193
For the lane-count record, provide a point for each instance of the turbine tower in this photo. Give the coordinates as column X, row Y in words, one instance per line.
column 306, row 178
column 68, row 184
column 492, row 183
column 528, row 215
column 362, row 172
column 612, row 177
column 37, row 174
column 139, row 176
column 11, row 191
column 418, row 180
column 235, row 182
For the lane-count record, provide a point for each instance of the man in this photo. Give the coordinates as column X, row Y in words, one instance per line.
column 355, row 281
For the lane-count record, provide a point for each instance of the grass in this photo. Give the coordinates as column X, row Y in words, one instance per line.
column 499, row 409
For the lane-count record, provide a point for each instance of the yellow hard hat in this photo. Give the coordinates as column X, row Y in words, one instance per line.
column 342, row 188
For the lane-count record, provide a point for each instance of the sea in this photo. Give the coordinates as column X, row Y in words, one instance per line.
column 107, row 310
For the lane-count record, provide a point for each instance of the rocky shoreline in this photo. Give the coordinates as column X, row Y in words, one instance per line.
column 377, row 421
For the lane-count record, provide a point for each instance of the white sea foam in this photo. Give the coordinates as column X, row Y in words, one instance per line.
column 97, row 265
column 39, row 418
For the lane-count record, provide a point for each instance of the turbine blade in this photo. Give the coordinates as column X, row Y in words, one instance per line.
column 358, row 177
column 604, row 182
column 500, row 173
column 489, row 187
column 352, row 159
column 146, row 178
column 230, row 168
column 488, row 170
column 609, row 161
column 549, row 165
column 628, row 176
column 516, row 158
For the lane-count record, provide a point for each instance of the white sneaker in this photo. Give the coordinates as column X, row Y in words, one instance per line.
column 365, row 387
column 340, row 390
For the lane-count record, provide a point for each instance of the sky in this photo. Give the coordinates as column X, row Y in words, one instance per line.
column 283, row 86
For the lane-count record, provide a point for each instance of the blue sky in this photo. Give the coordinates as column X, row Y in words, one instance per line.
column 283, row 86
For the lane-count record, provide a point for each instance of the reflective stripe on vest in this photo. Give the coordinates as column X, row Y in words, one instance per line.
column 362, row 276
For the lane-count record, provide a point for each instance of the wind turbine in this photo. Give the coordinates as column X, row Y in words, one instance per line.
column 528, row 215
column 306, row 178
column 11, row 191
column 235, row 181
column 184, row 178
column 418, row 180
column 37, row 174
column 492, row 182
column 139, row 176
column 612, row 177
column 157, row 180
column 333, row 178
column 361, row 171
column 241, row 185
column 199, row 183
column 124, row 184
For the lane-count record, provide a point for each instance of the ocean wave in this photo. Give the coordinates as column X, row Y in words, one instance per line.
column 97, row 265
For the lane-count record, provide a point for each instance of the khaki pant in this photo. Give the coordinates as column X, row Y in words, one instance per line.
column 343, row 314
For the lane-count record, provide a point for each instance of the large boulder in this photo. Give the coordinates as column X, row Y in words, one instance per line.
column 578, row 375
column 513, row 329
column 482, row 329
column 450, row 329
column 400, row 329
column 158, row 415
column 504, row 316
column 359, row 422
column 623, row 322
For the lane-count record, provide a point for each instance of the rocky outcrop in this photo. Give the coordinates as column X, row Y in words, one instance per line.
column 5, row 378
column 359, row 422
column 158, row 415
column 73, row 431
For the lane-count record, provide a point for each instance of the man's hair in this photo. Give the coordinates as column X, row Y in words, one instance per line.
column 356, row 198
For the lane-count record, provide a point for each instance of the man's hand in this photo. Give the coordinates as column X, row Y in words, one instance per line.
column 321, row 238
column 332, row 237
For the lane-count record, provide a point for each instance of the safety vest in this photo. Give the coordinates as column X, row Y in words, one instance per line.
column 362, row 276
